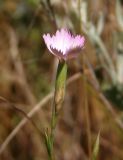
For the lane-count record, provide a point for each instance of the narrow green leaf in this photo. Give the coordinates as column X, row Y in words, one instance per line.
column 96, row 148
column 48, row 143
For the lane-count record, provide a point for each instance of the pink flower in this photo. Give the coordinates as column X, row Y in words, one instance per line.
column 63, row 44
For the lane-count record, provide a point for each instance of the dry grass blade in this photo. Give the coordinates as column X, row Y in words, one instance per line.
column 31, row 113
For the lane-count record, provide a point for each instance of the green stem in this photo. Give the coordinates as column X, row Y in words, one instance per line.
column 59, row 90
column 58, row 97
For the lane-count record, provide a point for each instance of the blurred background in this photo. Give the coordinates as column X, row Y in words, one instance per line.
column 94, row 93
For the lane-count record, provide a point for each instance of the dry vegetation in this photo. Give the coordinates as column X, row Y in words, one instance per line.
column 94, row 95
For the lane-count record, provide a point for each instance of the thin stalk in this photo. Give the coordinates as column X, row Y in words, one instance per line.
column 59, row 93
column 87, row 111
column 88, row 126
column 79, row 14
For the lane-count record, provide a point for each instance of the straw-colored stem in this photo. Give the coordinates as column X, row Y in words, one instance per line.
column 87, row 118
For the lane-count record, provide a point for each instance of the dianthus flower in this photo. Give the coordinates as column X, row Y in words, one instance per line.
column 63, row 44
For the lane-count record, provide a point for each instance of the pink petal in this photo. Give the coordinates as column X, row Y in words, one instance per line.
column 63, row 44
